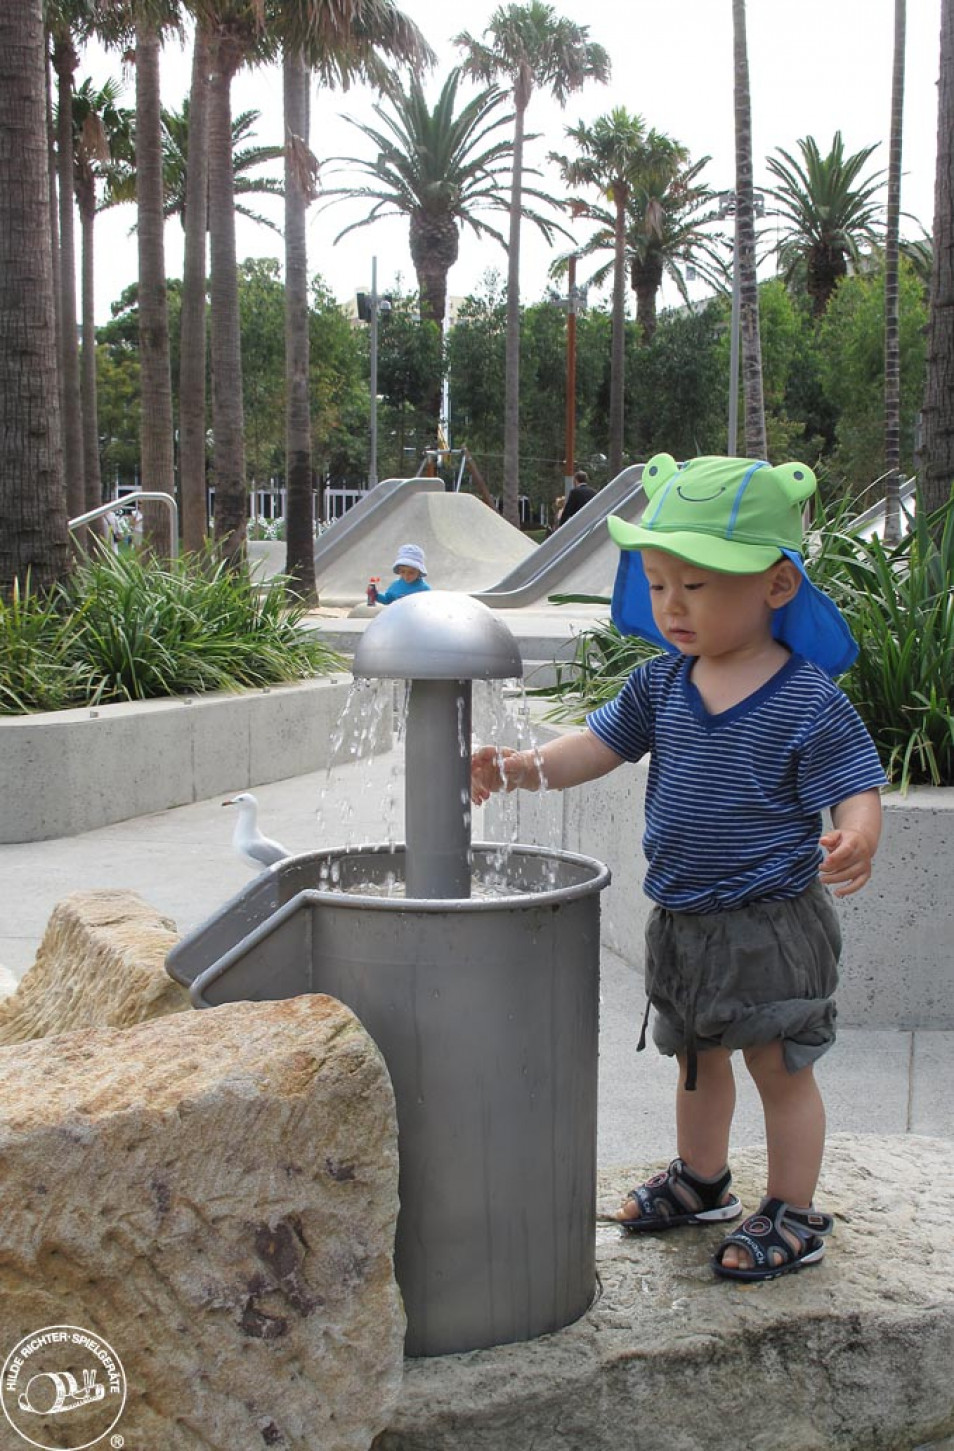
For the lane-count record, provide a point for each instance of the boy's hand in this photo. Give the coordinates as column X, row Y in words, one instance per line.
column 848, row 861
column 495, row 768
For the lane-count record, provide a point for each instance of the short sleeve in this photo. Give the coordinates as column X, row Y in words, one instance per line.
column 838, row 758
column 625, row 724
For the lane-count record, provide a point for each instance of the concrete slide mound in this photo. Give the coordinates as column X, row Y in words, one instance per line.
column 468, row 546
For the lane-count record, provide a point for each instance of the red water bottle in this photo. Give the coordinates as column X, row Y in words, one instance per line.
column 373, row 589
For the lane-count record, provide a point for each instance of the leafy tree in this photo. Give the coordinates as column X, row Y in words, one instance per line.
column 532, row 46
column 829, row 213
column 262, row 322
column 679, row 385
column 851, row 356
column 409, row 359
column 338, row 389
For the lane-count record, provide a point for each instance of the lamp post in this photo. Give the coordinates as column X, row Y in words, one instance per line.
column 727, row 208
column 369, row 306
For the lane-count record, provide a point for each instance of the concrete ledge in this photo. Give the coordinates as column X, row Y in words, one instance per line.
column 897, row 969
column 71, row 771
column 854, row 1353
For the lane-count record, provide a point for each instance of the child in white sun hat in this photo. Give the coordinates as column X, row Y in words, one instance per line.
column 749, row 740
column 410, row 568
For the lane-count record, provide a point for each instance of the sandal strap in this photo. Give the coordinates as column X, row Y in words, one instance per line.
column 761, row 1234
column 658, row 1197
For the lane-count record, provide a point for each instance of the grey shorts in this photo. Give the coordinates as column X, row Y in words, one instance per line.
column 736, row 979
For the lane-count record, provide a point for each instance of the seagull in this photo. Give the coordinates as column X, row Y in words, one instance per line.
column 247, row 840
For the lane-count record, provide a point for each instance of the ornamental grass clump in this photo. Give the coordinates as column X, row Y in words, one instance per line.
column 126, row 628
column 899, row 603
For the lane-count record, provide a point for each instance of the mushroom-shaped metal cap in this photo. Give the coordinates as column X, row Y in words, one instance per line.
column 437, row 635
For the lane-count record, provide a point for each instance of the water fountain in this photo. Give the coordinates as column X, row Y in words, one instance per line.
column 483, row 1004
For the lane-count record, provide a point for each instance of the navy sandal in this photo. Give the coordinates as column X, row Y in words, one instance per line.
column 761, row 1236
column 676, row 1196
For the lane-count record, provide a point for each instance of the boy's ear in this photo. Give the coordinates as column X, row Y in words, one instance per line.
column 784, row 583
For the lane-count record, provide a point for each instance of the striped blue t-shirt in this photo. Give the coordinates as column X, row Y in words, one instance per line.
column 734, row 800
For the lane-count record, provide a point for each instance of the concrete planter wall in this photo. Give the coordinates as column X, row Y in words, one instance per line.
column 73, row 770
column 897, row 968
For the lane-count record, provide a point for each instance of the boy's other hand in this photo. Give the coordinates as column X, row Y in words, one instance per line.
column 847, row 867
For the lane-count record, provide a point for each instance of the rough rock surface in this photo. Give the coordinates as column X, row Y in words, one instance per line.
column 101, row 964
column 215, row 1194
column 853, row 1353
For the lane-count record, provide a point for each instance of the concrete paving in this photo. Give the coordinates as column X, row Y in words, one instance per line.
column 181, row 861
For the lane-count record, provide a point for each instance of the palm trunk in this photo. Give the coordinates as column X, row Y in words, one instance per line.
column 64, row 61
column 158, row 471
column 300, row 513
column 618, row 349
column 753, row 402
column 91, row 468
column 33, row 531
column 192, row 329
column 231, row 493
column 936, row 459
column 892, row 354
column 511, row 460
column 54, row 219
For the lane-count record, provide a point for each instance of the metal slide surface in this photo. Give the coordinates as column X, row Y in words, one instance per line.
column 580, row 557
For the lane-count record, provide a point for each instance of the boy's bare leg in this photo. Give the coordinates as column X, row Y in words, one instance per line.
column 704, row 1114
column 703, row 1119
column 794, row 1133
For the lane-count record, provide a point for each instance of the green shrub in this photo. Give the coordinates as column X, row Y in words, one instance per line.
column 899, row 603
column 124, row 628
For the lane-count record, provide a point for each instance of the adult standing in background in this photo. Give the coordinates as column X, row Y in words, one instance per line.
column 581, row 493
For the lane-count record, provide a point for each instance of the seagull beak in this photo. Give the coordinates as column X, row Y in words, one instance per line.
column 230, row 802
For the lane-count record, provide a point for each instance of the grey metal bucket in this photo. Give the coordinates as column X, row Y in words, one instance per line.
column 486, row 1012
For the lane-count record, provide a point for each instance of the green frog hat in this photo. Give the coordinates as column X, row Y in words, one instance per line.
column 736, row 515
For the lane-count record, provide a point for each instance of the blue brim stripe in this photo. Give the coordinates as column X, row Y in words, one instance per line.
column 810, row 625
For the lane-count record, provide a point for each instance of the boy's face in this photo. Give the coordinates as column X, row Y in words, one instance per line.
column 409, row 575
column 703, row 612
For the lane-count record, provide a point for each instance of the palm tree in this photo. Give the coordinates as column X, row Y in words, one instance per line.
column 630, row 167
column 829, row 210
column 669, row 231
column 192, row 323
column 102, row 144
column 158, row 471
column 892, row 352
column 339, row 38
column 753, row 397
column 33, row 530
column 936, row 457
column 301, row 174
column 245, row 160
column 607, row 160
column 532, row 46
column 440, row 168
column 65, row 24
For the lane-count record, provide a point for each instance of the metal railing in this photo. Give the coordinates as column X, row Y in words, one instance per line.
column 136, row 494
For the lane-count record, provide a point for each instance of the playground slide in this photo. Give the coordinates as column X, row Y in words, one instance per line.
column 335, row 541
column 579, row 557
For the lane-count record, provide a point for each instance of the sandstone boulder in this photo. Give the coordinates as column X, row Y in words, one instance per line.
column 854, row 1354
column 214, row 1194
column 101, row 964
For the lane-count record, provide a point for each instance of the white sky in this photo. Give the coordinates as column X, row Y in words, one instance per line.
column 814, row 68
